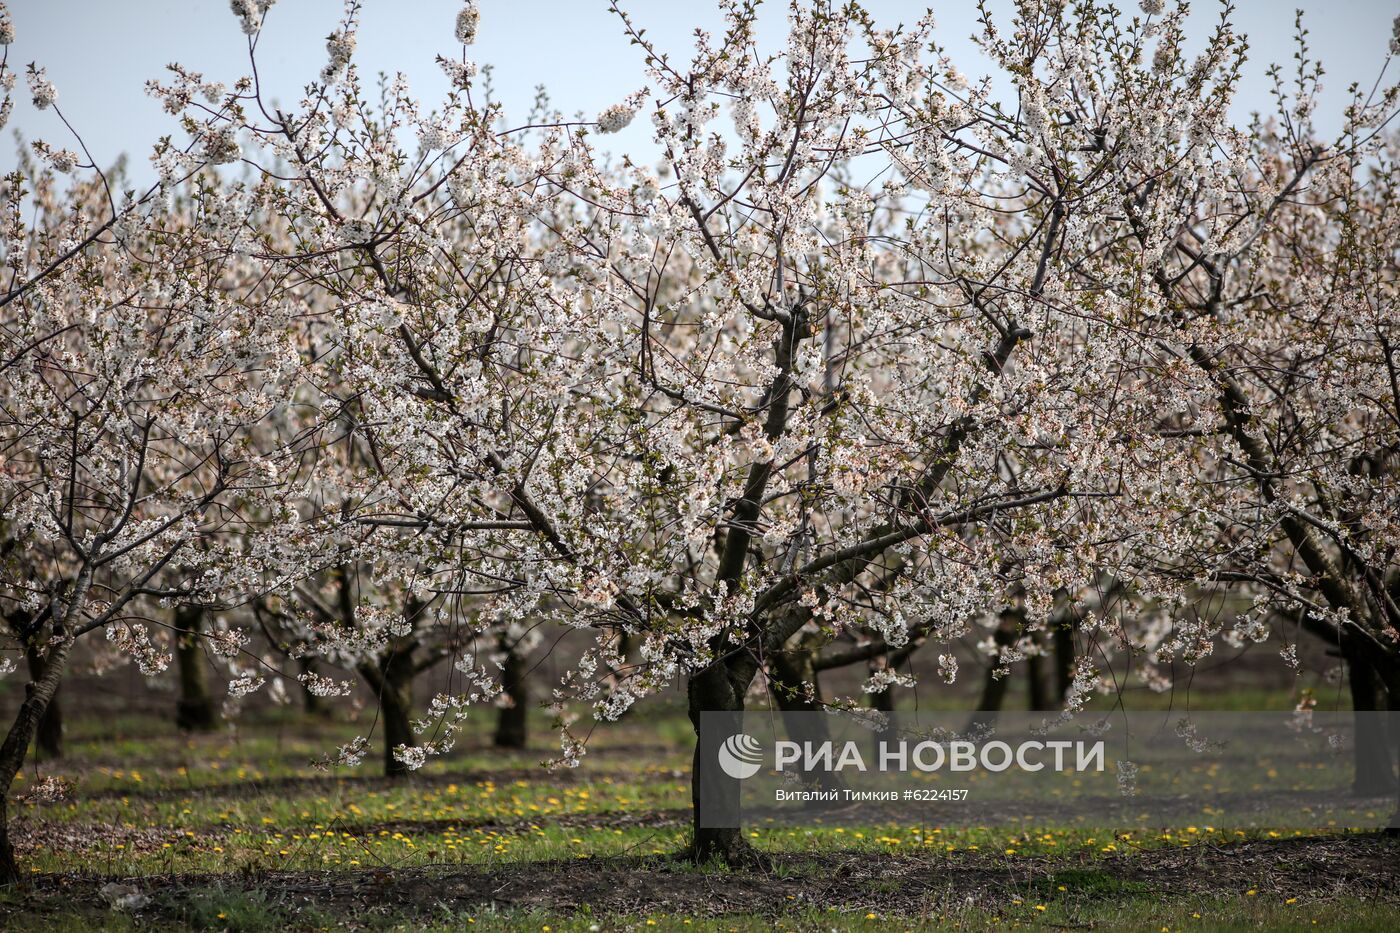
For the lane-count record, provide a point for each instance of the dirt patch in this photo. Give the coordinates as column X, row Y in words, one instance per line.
column 1364, row 866
column 29, row 836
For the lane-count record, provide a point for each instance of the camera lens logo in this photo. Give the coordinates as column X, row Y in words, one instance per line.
column 741, row 756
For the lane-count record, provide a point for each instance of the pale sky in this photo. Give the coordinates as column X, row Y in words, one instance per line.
column 100, row 53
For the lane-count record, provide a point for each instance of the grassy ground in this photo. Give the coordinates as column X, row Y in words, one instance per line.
column 240, row 831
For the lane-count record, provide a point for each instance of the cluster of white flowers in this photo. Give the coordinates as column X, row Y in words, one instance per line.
column 468, row 18
column 617, row 703
column 410, row 756
column 947, row 668
column 340, row 47
column 320, row 686
column 7, row 103
column 250, row 13
column 1250, row 627
column 459, row 74
column 60, row 160
column 134, row 640
column 1189, row 732
column 1127, row 778
column 221, row 146
column 43, row 93
column 615, row 118
column 245, row 683
column 228, row 642
column 571, row 752
column 1082, row 686
column 352, row 754
column 884, row 679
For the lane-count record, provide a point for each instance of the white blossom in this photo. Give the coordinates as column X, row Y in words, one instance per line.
column 615, row 118
column 41, row 88
column 411, row 757
column 948, row 668
column 467, row 20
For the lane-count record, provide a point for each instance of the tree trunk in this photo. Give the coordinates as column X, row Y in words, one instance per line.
column 511, row 719
column 392, row 681
column 994, row 688
column 396, row 706
column 1387, row 670
column 789, row 673
column 17, row 740
column 885, row 701
column 194, row 710
column 1375, row 769
column 993, row 691
column 48, row 737
column 712, row 690
column 1064, row 659
column 1037, row 697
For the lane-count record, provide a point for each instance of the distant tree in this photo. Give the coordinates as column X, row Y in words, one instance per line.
column 195, row 710
column 513, row 715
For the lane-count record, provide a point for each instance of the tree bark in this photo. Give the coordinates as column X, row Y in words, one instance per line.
column 512, row 726
column 1387, row 670
column 789, row 673
column 993, row 691
column 194, row 710
column 16, row 744
column 1037, row 697
column 1064, row 659
column 720, row 686
column 48, row 736
column 1375, row 769
column 396, row 706
column 392, row 680
column 708, row 691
